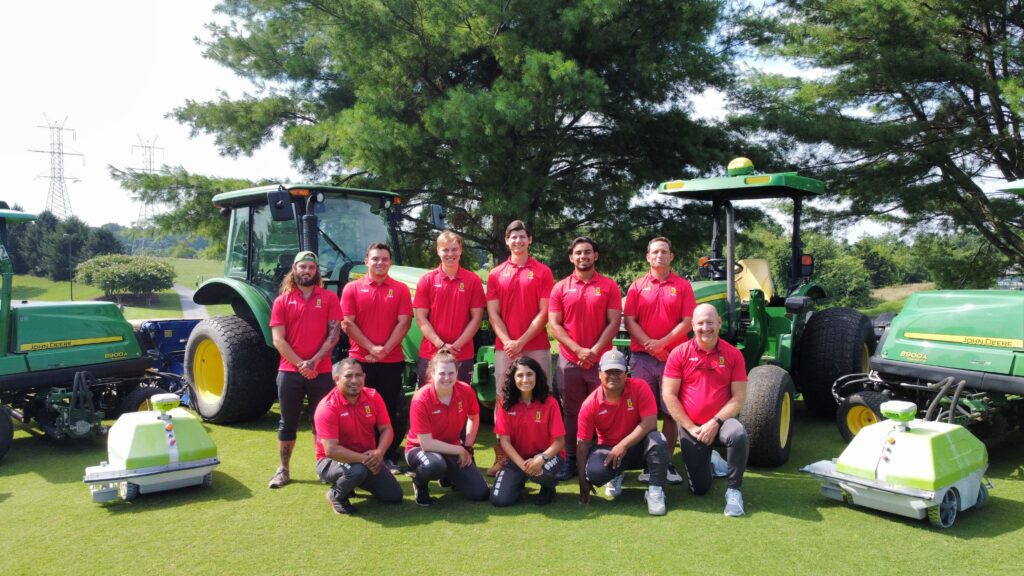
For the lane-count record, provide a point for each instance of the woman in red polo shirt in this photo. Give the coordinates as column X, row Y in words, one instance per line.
column 529, row 426
column 444, row 421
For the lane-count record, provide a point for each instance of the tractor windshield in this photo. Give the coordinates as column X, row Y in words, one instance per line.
column 348, row 224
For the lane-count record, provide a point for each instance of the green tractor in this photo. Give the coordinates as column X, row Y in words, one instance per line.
column 68, row 365
column 230, row 360
column 788, row 347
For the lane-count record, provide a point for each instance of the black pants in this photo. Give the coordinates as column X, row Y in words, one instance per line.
column 511, row 479
column 386, row 379
column 344, row 478
column 650, row 451
column 426, row 466
column 292, row 388
column 697, row 456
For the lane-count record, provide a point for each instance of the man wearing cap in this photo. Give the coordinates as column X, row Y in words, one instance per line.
column 584, row 312
column 305, row 323
column 657, row 314
column 704, row 387
column 353, row 432
column 448, row 307
column 517, row 310
column 624, row 416
column 378, row 313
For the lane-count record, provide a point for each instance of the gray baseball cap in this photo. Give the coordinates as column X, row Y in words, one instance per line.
column 613, row 360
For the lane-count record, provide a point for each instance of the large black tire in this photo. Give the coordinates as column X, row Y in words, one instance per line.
column 231, row 369
column 6, row 431
column 768, row 415
column 859, row 410
column 836, row 342
column 138, row 399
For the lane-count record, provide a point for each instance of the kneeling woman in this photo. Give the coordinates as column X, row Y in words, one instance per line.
column 529, row 426
column 444, row 419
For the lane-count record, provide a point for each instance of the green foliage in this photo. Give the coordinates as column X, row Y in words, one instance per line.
column 909, row 106
column 960, row 261
column 182, row 250
column 889, row 260
column 554, row 113
column 118, row 274
column 43, row 247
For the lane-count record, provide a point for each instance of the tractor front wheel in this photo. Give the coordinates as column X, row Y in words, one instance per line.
column 836, row 342
column 6, row 431
column 231, row 370
column 859, row 410
column 768, row 415
column 139, row 399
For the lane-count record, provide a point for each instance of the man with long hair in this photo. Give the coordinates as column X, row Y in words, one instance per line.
column 305, row 322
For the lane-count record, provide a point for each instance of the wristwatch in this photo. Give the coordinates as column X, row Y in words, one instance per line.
column 719, row 420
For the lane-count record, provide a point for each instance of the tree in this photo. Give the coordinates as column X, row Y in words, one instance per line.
column 960, row 261
column 555, row 113
column 906, row 107
column 118, row 275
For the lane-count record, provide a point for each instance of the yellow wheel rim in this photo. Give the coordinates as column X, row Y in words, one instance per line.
column 146, row 404
column 784, row 416
column 858, row 417
column 208, row 372
column 865, row 359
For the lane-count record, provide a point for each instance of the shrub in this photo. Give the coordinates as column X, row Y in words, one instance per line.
column 118, row 275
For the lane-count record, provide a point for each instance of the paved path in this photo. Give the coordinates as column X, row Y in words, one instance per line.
column 189, row 309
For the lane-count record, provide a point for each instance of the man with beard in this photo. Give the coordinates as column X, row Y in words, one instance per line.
column 378, row 313
column 305, row 322
column 584, row 312
column 704, row 387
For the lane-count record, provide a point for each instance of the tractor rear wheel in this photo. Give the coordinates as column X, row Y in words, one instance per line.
column 836, row 342
column 231, row 370
column 139, row 398
column 6, row 431
column 768, row 415
column 859, row 410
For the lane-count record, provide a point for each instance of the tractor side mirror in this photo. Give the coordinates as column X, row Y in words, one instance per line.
column 806, row 266
column 280, row 204
column 437, row 217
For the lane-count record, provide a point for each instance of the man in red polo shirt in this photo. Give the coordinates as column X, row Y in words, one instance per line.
column 353, row 433
column 517, row 310
column 624, row 415
column 378, row 313
column 657, row 313
column 448, row 306
column 584, row 312
column 305, row 324
column 704, row 387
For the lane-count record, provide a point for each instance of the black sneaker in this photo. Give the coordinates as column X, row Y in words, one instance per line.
column 392, row 466
column 568, row 470
column 422, row 495
column 546, row 496
column 339, row 505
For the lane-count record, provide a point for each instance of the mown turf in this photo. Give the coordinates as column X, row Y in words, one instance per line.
column 50, row 526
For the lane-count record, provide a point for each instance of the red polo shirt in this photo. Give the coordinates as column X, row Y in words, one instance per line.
column 444, row 422
column 519, row 290
column 449, row 301
column 305, row 323
column 613, row 422
column 659, row 306
column 376, row 308
column 354, row 426
column 532, row 427
column 584, row 307
column 706, row 377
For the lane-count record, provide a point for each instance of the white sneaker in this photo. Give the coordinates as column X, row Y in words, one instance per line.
column 655, row 498
column 644, row 477
column 673, row 476
column 733, row 502
column 614, row 487
column 719, row 467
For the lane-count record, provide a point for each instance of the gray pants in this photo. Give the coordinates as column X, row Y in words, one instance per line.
column 502, row 362
column 426, row 466
column 697, row 456
column 344, row 478
column 649, row 453
column 509, row 483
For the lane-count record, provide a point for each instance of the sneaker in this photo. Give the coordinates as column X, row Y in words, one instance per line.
column 614, row 486
column 568, row 470
column 733, row 502
column 422, row 495
column 655, row 498
column 673, row 477
column 719, row 467
column 339, row 505
column 280, row 478
column 546, row 496
column 392, row 466
column 644, row 477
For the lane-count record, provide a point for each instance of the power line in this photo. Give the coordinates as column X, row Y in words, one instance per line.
column 58, row 200
column 146, row 210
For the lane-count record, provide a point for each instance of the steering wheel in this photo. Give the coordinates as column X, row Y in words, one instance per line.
column 716, row 268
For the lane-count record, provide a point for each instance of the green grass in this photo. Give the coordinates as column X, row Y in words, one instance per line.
column 238, row 526
column 191, row 272
column 25, row 287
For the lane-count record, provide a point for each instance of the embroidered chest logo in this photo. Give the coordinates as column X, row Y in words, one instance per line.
column 318, row 303
column 536, row 417
column 597, row 290
column 462, row 286
column 629, row 404
column 391, row 292
column 369, row 411
column 460, row 405
column 672, row 290
column 721, row 361
column 529, row 275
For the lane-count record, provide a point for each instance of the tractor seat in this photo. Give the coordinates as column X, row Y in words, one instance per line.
column 756, row 275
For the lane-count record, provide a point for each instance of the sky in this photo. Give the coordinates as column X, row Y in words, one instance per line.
column 110, row 70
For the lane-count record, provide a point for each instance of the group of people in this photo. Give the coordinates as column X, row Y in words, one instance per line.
column 697, row 385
